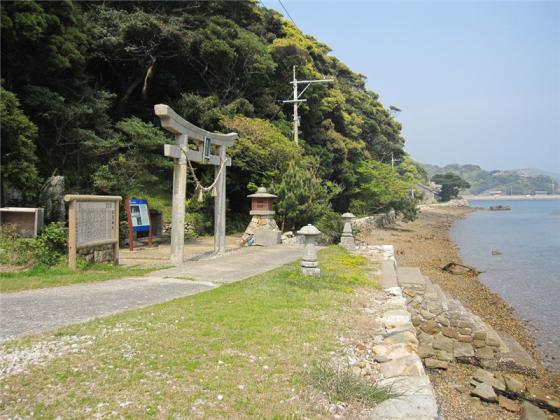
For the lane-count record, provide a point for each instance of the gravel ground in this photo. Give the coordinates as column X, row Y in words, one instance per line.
column 425, row 243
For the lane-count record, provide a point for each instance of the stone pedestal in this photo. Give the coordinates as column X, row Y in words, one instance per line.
column 347, row 238
column 309, row 263
column 267, row 237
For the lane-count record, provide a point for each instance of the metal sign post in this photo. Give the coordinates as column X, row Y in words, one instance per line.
column 138, row 219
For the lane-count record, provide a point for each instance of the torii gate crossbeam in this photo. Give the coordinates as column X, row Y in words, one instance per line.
column 183, row 131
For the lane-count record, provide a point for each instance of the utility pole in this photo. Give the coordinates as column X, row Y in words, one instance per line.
column 296, row 101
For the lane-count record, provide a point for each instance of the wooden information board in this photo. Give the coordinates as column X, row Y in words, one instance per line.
column 93, row 220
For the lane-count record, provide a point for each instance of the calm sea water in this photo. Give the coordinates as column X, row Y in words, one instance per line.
column 527, row 273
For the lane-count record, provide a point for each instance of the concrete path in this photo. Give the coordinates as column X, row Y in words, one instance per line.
column 237, row 265
column 34, row 311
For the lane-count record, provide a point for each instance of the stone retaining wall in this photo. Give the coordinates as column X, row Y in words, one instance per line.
column 376, row 221
column 396, row 348
column 446, row 330
column 97, row 254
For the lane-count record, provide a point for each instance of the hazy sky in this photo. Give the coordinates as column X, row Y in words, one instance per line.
column 477, row 82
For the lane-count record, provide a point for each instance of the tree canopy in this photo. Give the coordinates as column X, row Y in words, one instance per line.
column 88, row 74
column 451, row 185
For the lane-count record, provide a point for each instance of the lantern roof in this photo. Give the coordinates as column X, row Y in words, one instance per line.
column 262, row 193
column 309, row 230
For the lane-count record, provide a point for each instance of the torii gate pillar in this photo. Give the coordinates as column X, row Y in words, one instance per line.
column 220, row 205
column 178, row 202
column 183, row 130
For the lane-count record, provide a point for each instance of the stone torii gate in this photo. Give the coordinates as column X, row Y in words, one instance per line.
column 180, row 152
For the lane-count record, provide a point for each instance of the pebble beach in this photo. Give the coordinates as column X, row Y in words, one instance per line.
column 425, row 243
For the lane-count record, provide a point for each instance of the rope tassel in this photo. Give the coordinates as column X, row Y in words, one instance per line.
column 200, row 195
column 199, row 187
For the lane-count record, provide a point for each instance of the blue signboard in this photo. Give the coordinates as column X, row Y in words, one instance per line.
column 139, row 215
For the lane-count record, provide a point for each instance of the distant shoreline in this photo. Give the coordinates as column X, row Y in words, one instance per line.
column 510, row 197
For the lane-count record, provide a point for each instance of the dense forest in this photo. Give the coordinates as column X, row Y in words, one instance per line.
column 80, row 80
column 509, row 182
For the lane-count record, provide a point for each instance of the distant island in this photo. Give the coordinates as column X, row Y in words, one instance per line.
column 519, row 182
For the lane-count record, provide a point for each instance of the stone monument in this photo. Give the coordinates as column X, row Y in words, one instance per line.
column 51, row 198
column 263, row 227
column 347, row 238
column 309, row 263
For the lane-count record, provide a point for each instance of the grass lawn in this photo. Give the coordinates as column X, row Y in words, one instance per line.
column 246, row 349
column 38, row 277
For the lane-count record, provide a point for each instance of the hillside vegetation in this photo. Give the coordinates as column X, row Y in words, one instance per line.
column 511, row 182
column 80, row 79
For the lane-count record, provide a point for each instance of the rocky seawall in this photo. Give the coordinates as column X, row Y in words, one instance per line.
column 425, row 244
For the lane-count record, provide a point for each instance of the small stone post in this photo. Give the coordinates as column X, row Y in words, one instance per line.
column 347, row 238
column 309, row 264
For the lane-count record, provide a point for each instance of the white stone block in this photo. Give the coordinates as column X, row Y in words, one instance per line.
column 407, row 407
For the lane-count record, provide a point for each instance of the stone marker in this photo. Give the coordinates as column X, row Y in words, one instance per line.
column 347, row 238
column 51, row 197
column 309, row 264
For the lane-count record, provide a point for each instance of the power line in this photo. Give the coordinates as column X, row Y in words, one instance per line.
column 286, row 10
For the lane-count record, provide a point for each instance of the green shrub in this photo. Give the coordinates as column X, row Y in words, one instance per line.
column 50, row 246
column 47, row 249
column 15, row 250
column 330, row 224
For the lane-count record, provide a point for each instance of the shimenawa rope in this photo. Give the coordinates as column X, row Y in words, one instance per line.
column 199, row 187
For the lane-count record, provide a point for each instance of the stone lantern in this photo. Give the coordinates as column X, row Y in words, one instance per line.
column 262, row 229
column 347, row 238
column 309, row 264
column 261, row 202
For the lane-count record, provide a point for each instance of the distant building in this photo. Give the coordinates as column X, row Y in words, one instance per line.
column 429, row 193
column 541, row 192
column 495, row 192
